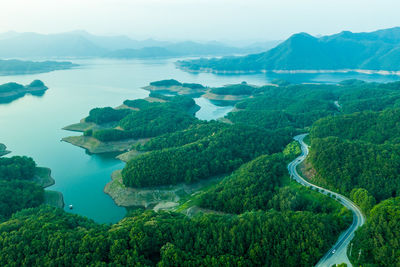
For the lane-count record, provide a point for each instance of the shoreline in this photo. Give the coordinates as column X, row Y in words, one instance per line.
column 94, row 146
column 162, row 197
column 44, row 179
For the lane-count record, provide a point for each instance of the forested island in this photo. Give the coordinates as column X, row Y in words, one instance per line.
column 19, row 67
column 12, row 91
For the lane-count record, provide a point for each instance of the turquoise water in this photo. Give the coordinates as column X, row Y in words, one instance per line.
column 32, row 125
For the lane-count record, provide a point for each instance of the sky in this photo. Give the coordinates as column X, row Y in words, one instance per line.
column 205, row 20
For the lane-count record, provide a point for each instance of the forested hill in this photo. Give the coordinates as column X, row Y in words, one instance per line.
column 379, row 50
column 17, row 67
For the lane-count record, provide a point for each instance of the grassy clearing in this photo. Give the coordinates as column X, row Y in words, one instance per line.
column 132, row 197
column 127, row 156
column 191, row 201
column 306, row 170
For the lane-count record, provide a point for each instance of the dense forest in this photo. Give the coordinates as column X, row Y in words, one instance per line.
column 264, row 184
column 368, row 126
column 358, row 154
column 300, row 105
column 365, row 146
column 192, row 134
column 143, row 118
column 106, row 114
column 17, row 190
column 47, row 236
column 343, row 165
column 378, row 239
column 293, row 105
column 219, row 153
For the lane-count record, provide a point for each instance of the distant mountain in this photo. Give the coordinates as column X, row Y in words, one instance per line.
column 118, row 42
column 26, row 45
column 146, row 52
column 83, row 44
column 178, row 50
column 379, row 50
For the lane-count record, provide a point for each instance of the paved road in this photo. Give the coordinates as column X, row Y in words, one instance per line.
column 337, row 254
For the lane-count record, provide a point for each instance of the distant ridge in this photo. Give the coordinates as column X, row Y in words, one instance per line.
column 81, row 44
column 346, row 51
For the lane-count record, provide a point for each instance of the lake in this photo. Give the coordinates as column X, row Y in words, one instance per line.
column 32, row 125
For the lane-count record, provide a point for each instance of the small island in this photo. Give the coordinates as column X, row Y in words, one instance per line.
column 12, row 91
column 3, row 150
column 19, row 67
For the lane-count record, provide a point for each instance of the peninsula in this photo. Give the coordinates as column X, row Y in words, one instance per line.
column 118, row 129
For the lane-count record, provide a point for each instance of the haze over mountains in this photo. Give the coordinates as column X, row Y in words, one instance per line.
column 83, row 44
column 378, row 50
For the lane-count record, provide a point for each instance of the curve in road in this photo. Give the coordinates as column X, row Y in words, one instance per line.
column 338, row 253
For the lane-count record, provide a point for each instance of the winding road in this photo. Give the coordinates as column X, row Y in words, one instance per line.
column 338, row 253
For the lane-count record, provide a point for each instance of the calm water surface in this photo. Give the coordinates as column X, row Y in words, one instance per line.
column 32, row 125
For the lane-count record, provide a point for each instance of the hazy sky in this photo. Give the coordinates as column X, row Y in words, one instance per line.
column 199, row 19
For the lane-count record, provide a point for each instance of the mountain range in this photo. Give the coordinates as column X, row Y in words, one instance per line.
column 376, row 51
column 82, row 44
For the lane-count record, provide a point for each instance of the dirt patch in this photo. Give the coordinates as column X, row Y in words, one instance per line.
column 97, row 147
column 162, row 197
column 307, row 170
